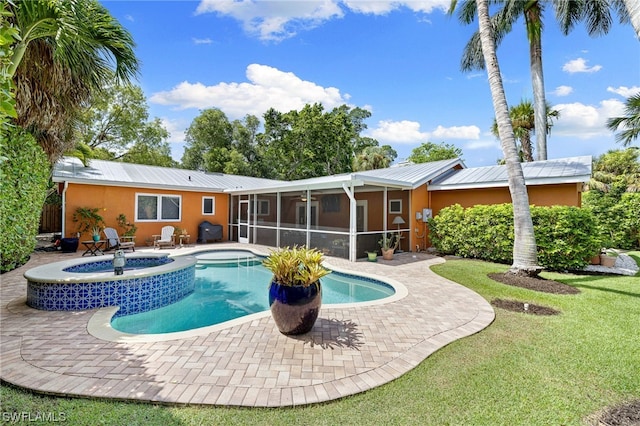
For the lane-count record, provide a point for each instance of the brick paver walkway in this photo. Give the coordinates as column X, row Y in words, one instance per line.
column 350, row 350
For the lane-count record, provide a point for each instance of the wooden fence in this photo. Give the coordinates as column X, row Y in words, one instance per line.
column 51, row 218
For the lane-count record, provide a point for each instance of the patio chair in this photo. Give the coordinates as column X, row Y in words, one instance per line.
column 166, row 239
column 120, row 243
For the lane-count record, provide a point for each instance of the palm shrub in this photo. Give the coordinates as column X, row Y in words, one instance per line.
column 297, row 266
column 25, row 171
column 566, row 237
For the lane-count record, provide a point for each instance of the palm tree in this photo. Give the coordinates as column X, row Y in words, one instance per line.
column 66, row 53
column 630, row 122
column 596, row 13
column 373, row 157
column 523, row 122
column 524, row 247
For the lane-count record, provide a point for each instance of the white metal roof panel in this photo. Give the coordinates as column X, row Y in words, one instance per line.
column 127, row 174
column 561, row 170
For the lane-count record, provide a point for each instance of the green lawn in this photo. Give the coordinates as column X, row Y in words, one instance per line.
column 521, row 370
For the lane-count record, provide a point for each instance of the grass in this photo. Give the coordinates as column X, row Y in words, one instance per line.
column 521, row 370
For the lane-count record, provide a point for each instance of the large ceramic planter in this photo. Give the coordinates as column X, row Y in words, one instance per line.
column 295, row 308
column 387, row 254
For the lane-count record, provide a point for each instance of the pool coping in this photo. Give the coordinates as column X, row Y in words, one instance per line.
column 350, row 350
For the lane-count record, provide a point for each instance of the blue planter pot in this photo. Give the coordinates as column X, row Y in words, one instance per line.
column 295, row 309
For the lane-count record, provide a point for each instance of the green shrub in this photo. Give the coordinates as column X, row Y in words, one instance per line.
column 566, row 236
column 617, row 214
column 25, row 172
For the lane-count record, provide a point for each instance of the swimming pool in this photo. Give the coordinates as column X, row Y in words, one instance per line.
column 232, row 284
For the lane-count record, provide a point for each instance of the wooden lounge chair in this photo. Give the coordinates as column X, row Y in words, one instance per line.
column 117, row 242
column 166, row 239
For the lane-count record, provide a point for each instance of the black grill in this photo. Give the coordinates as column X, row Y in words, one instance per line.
column 207, row 231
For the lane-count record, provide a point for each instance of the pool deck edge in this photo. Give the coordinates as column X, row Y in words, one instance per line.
column 351, row 349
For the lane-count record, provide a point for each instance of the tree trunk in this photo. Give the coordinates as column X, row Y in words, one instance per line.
column 633, row 7
column 534, row 29
column 524, row 247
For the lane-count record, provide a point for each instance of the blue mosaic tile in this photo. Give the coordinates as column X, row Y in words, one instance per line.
column 132, row 295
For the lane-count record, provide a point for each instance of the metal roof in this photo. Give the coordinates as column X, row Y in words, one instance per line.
column 404, row 177
column 562, row 170
column 100, row 172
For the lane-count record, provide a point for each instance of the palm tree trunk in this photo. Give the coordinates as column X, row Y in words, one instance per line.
column 524, row 247
column 534, row 28
column 633, row 7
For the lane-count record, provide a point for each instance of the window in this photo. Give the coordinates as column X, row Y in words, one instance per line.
column 263, row 207
column 208, row 205
column 158, row 208
column 395, row 206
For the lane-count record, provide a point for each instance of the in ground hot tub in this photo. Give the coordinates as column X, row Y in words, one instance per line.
column 149, row 281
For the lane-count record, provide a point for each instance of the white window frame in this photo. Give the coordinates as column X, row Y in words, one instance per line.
column 213, row 205
column 392, row 211
column 261, row 202
column 159, row 207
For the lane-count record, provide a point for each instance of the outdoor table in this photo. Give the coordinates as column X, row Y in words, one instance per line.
column 184, row 240
column 93, row 247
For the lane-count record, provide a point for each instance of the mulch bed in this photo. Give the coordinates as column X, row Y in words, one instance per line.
column 530, row 283
column 622, row 415
column 517, row 306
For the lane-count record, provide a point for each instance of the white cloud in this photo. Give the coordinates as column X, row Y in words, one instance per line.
column 408, row 132
column 563, row 91
column 624, row 91
column 176, row 129
column 380, row 7
column 274, row 20
column 456, row 132
column 586, row 121
column 201, row 40
column 267, row 88
column 277, row 20
column 129, row 18
column 482, row 144
column 579, row 65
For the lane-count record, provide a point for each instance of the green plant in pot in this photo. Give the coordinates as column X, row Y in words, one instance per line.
column 95, row 233
column 295, row 293
column 88, row 219
column 388, row 245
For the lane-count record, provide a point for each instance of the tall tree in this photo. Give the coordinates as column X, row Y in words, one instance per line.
column 524, row 247
column 596, row 14
column 208, row 141
column 523, row 122
column 311, row 142
column 69, row 49
column 429, row 151
column 629, row 123
column 150, row 147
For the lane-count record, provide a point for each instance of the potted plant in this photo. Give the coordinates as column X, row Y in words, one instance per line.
column 87, row 219
column 295, row 293
column 388, row 244
column 372, row 256
column 95, row 233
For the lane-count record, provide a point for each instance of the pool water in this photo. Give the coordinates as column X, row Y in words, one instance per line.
column 230, row 287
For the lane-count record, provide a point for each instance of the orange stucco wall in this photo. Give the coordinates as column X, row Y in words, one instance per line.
column 540, row 195
column 114, row 200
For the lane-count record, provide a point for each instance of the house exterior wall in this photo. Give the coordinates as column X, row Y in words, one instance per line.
column 114, row 200
column 568, row 194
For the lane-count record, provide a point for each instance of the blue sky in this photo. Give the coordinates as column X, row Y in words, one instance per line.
column 400, row 60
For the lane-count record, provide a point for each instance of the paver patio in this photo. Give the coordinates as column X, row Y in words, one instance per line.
column 350, row 349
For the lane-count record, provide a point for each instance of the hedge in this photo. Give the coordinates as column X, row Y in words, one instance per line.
column 567, row 237
column 25, row 172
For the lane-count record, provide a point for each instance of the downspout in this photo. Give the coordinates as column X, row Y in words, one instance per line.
column 352, row 222
column 64, row 208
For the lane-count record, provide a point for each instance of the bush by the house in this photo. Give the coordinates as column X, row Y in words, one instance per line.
column 24, row 170
column 566, row 237
column 617, row 214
